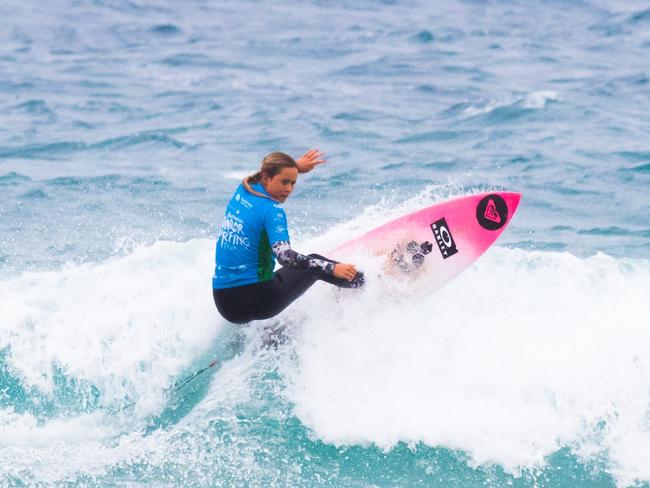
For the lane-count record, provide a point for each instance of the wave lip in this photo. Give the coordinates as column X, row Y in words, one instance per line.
column 508, row 108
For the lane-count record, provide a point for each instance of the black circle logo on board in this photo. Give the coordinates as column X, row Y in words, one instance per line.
column 492, row 212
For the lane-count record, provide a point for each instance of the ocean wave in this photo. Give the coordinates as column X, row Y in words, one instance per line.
column 508, row 108
column 13, row 179
column 436, row 135
column 122, row 119
column 57, row 150
column 105, row 324
column 166, row 30
column 511, row 363
column 643, row 168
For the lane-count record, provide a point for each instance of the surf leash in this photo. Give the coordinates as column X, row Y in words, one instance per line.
column 180, row 383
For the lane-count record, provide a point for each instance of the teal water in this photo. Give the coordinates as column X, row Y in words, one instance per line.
column 128, row 124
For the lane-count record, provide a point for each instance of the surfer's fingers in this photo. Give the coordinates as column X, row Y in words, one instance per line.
column 352, row 272
column 345, row 271
column 317, row 157
column 310, row 160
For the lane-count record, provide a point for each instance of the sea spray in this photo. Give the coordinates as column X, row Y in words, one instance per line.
column 523, row 355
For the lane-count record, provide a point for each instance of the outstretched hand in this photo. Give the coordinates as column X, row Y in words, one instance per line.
column 310, row 160
column 345, row 271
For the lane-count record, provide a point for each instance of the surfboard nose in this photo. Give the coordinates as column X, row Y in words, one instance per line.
column 512, row 201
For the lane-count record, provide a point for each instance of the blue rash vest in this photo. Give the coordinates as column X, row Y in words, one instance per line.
column 251, row 226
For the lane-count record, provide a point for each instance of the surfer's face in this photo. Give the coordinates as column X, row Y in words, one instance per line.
column 281, row 185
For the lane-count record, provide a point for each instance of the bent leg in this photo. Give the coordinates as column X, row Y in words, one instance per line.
column 284, row 289
column 237, row 304
column 264, row 300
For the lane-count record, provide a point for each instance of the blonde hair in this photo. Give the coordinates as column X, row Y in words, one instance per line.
column 272, row 164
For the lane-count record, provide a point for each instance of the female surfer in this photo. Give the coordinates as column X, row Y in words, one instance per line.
column 254, row 233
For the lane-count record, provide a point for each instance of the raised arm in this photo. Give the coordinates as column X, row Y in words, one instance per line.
column 310, row 160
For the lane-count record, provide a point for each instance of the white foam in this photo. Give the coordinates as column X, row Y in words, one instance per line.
column 539, row 99
column 88, row 445
column 237, row 175
column 533, row 100
column 378, row 214
column 523, row 354
column 485, row 108
column 128, row 325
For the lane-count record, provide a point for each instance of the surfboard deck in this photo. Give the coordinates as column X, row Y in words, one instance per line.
column 440, row 241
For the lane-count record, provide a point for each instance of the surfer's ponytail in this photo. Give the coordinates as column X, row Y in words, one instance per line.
column 272, row 164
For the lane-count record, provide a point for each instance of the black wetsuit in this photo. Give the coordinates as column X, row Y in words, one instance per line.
column 264, row 300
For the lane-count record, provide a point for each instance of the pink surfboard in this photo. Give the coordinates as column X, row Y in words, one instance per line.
column 440, row 241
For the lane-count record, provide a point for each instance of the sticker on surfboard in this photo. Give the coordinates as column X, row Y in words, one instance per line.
column 492, row 212
column 444, row 239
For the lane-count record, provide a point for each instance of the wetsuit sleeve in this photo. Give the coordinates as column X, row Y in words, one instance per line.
column 288, row 257
column 275, row 225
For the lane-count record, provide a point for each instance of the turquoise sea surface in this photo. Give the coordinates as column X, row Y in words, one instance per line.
column 127, row 124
